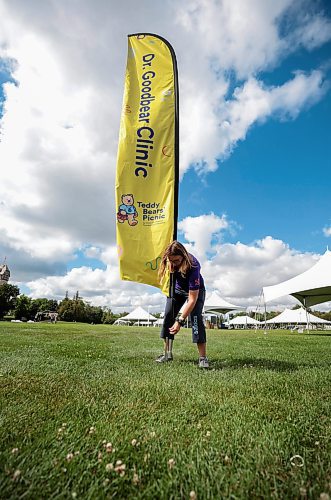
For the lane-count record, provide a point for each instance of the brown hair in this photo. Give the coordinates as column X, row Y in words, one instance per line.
column 175, row 248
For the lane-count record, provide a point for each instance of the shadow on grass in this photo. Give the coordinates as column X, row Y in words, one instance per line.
column 316, row 334
column 249, row 363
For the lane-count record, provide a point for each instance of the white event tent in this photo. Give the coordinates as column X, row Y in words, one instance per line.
column 158, row 322
column 243, row 321
column 310, row 287
column 297, row 317
column 139, row 315
column 216, row 305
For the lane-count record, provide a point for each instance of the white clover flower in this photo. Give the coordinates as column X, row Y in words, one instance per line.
column 171, row 463
column 208, row 434
column 92, row 430
column 16, row 474
column 14, row 450
column 193, row 495
column 120, row 468
column 134, row 442
column 69, row 457
column 135, row 478
column 109, row 467
column 109, row 447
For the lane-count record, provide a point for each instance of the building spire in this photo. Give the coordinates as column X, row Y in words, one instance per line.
column 4, row 272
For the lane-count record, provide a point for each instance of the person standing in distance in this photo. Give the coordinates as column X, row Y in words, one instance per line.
column 189, row 289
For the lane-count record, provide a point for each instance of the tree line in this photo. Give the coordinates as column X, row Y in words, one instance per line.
column 24, row 308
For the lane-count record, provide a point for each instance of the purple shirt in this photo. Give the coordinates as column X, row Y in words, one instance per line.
column 191, row 281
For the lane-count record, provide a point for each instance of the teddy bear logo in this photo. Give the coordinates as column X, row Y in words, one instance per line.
column 127, row 210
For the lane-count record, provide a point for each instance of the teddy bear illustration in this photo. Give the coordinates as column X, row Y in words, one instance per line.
column 127, row 210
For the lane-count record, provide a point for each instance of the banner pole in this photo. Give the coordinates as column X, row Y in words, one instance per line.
column 176, row 165
column 176, row 190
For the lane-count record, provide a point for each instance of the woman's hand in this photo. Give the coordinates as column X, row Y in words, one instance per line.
column 174, row 328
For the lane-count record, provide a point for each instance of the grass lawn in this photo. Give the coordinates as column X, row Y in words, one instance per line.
column 87, row 413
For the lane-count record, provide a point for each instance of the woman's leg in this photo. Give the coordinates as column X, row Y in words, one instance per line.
column 198, row 328
column 172, row 308
column 202, row 350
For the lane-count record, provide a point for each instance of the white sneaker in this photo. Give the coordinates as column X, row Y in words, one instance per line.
column 203, row 362
column 165, row 357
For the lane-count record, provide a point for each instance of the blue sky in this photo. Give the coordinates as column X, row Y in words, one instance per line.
column 255, row 157
column 5, row 76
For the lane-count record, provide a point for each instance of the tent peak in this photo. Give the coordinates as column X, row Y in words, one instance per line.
column 311, row 287
column 215, row 304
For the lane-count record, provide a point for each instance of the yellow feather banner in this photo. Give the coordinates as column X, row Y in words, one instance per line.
column 148, row 160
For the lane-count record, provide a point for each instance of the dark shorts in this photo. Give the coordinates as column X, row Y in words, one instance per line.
column 173, row 307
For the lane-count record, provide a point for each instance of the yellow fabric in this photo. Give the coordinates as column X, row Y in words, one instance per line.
column 145, row 176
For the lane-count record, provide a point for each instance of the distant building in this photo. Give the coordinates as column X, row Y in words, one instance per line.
column 46, row 316
column 4, row 274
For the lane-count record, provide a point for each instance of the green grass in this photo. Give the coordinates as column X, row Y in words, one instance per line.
column 231, row 430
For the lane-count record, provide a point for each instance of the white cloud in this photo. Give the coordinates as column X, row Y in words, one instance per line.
column 327, row 231
column 253, row 102
column 240, row 36
column 100, row 287
column 240, row 271
column 199, row 231
column 311, row 32
column 92, row 252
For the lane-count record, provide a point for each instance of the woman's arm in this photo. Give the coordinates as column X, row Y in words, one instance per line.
column 188, row 308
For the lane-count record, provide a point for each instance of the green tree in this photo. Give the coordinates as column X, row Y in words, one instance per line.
column 77, row 310
column 72, row 310
column 93, row 314
column 8, row 294
column 52, row 305
column 108, row 317
column 324, row 315
column 66, row 310
column 39, row 305
column 22, row 307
